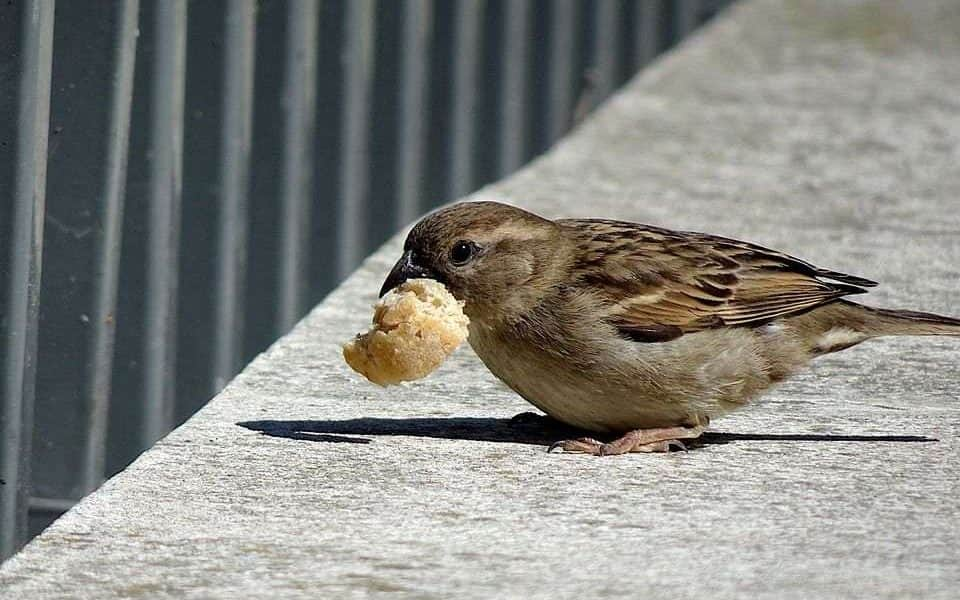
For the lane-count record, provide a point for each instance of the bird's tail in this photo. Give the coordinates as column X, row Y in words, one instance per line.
column 884, row 321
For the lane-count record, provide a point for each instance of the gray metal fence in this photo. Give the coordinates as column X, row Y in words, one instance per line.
column 190, row 177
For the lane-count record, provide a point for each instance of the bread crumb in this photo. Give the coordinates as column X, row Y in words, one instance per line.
column 415, row 327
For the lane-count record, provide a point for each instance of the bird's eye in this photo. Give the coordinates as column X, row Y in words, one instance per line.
column 462, row 252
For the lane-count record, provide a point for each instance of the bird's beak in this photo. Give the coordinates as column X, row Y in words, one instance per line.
column 405, row 269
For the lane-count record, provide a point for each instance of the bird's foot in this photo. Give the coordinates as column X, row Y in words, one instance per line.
column 663, row 439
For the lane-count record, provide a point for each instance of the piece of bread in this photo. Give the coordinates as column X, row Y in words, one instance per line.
column 415, row 327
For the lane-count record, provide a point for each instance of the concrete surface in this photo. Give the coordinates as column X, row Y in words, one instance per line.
column 827, row 129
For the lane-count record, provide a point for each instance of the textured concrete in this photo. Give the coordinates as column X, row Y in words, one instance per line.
column 828, row 129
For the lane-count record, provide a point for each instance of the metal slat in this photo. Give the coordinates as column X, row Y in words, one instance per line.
column 606, row 44
column 467, row 50
column 299, row 117
column 56, row 506
column 412, row 143
column 687, row 17
column 354, row 165
column 16, row 412
column 107, row 254
column 166, row 185
column 513, row 91
column 561, row 98
column 235, row 141
column 646, row 31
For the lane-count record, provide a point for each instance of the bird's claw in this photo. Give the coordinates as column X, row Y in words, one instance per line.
column 581, row 445
column 677, row 445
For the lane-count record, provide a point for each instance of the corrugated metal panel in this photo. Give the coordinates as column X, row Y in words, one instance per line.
column 647, row 29
column 412, row 146
column 299, row 107
column 606, row 47
column 562, row 56
column 166, row 188
column 513, row 87
column 688, row 16
column 467, row 50
column 355, row 159
column 244, row 161
column 106, row 266
column 235, row 140
column 24, row 264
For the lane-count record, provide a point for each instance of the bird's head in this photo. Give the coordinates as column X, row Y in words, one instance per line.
column 495, row 258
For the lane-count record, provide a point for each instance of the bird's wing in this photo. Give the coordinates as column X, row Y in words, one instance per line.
column 659, row 284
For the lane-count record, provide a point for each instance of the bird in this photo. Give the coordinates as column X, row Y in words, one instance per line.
column 640, row 333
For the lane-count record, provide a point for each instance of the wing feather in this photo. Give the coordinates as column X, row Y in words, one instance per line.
column 660, row 284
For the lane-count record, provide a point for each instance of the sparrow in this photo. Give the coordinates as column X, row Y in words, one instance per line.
column 636, row 330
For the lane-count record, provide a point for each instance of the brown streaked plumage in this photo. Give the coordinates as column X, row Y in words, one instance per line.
column 620, row 327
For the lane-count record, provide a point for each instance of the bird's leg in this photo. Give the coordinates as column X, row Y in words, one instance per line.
column 639, row 440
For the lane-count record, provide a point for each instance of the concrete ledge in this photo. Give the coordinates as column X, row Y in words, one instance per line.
column 827, row 129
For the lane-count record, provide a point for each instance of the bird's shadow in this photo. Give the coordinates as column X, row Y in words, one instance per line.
column 527, row 428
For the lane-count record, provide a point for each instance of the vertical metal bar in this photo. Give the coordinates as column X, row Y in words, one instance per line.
column 562, row 28
column 415, row 46
column 26, row 250
column 166, row 185
column 646, row 41
column 467, row 51
column 605, row 48
column 687, row 17
column 513, row 89
column 299, row 106
column 107, row 258
column 235, row 139
column 354, row 163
